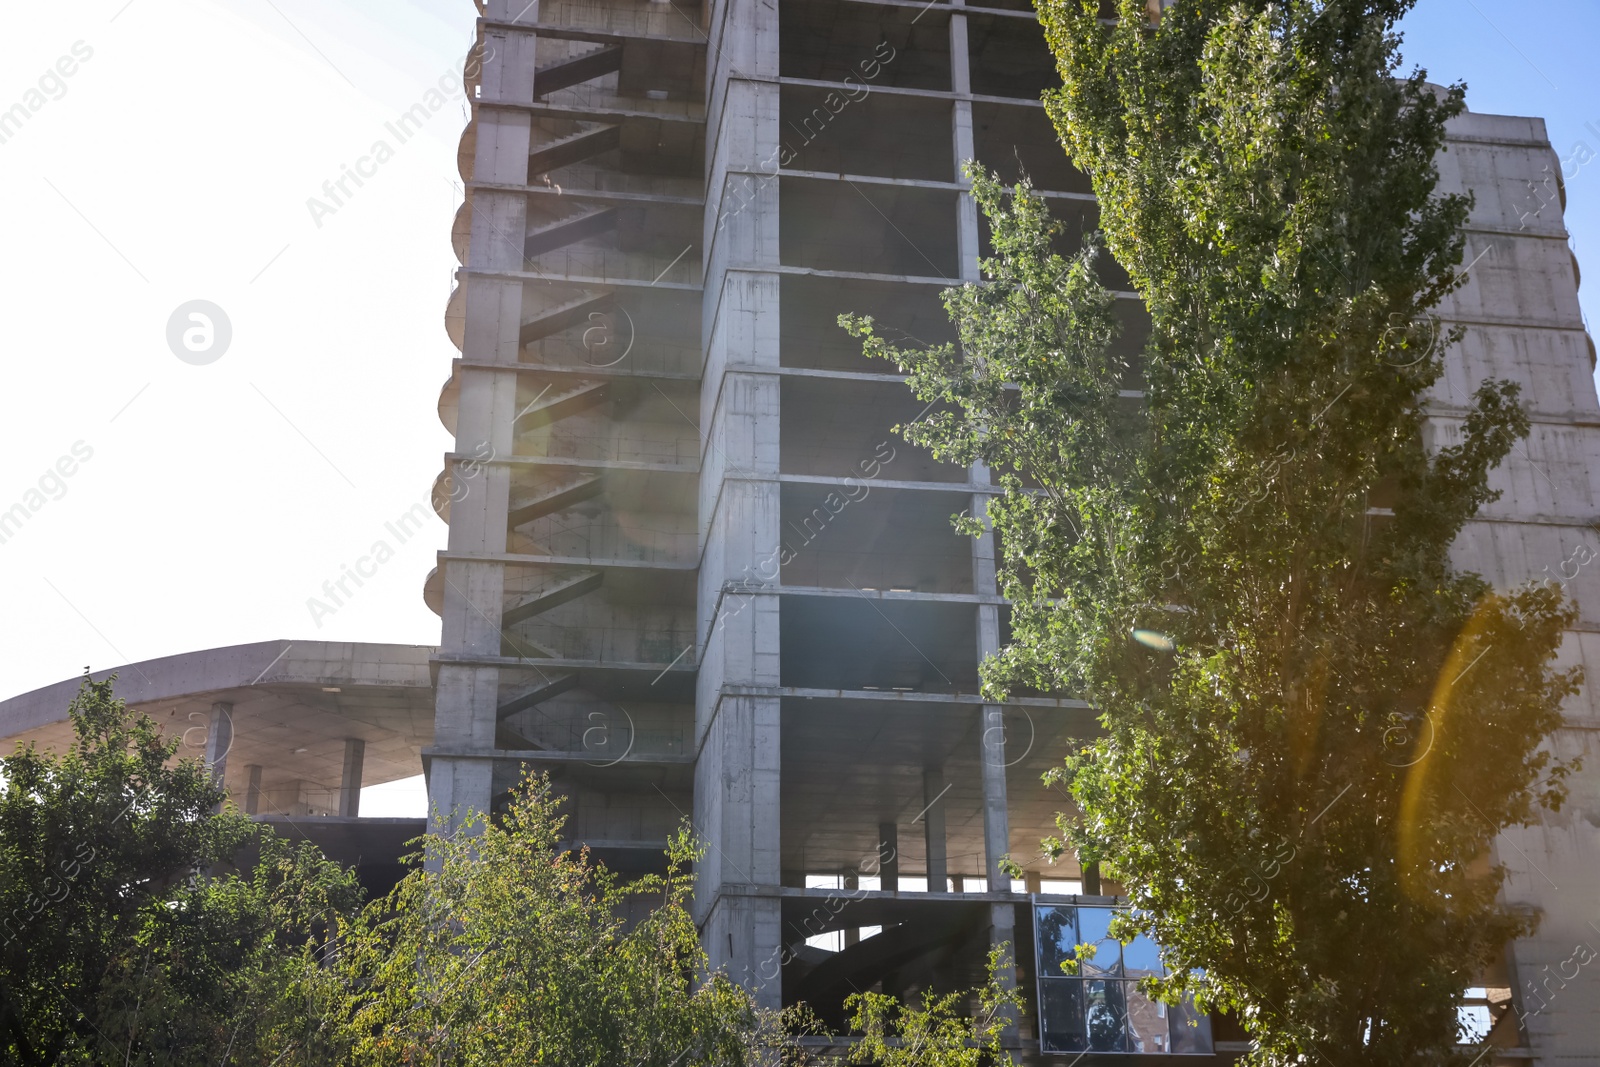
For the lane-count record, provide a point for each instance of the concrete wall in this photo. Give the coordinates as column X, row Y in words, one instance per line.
column 1522, row 320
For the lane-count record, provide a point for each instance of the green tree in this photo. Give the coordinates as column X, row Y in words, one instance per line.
column 120, row 944
column 1312, row 726
column 937, row 1034
column 507, row 948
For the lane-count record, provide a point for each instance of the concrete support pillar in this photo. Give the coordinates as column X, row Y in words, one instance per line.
column 219, row 739
column 736, row 786
column 933, row 790
column 965, row 149
column 1091, row 879
column 736, row 805
column 473, row 593
column 996, row 825
column 888, row 857
column 852, row 882
column 996, row 821
column 355, row 751
column 252, row 789
column 983, row 548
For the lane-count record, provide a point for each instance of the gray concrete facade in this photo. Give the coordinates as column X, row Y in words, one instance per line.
column 674, row 486
column 1520, row 313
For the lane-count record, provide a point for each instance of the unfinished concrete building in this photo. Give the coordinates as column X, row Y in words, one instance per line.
column 691, row 571
column 692, row 574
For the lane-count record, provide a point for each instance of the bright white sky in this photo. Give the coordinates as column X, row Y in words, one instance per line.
column 176, row 166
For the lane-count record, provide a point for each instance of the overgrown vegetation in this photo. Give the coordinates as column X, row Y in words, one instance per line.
column 937, row 1033
column 124, row 942
column 129, row 939
column 508, row 948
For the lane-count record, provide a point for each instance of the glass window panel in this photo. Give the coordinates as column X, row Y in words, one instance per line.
column 1092, row 930
column 1141, row 959
column 1107, row 1016
column 1061, row 1024
column 1147, row 1022
column 1191, row 1030
column 1058, row 938
column 1102, row 1010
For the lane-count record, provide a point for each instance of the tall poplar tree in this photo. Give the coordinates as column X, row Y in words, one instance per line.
column 1236, row 544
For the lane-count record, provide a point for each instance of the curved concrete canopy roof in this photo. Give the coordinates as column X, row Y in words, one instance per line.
column 294, row 705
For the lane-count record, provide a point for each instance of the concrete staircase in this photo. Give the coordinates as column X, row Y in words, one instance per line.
column 578, row 226
column 554, row 500
column 576, row 147
column 553, row 320
column 566, row 588
column 553, row 407
column 569, row 72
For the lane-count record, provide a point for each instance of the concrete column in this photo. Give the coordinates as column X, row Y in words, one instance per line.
column 961, row 129
column 888, row 857
column 983, row 548
column 1091, row 878
column 933, row 790
column 736, row 786
column 252, row 791
column 219, row 739
column 852, row 934
column 996, row 824
column 355, row 751
column 996, row 820
column 468, row 694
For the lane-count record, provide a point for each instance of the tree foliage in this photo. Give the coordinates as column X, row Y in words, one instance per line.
column 938, row 1033
column 128, row 940
column 1235, row 542
column 508, row 948
column 123, row 942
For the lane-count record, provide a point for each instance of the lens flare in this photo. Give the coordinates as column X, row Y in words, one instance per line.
column 1154, row 639
column 1425, row 778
